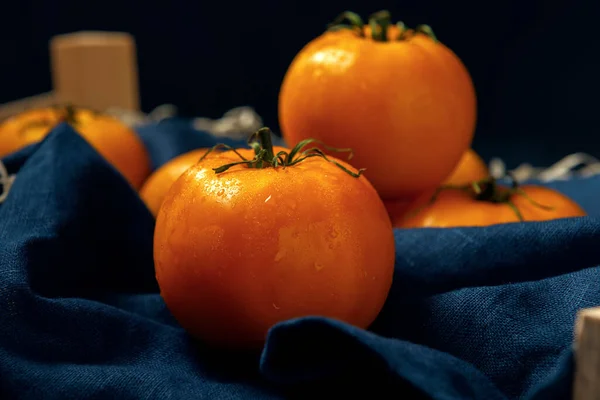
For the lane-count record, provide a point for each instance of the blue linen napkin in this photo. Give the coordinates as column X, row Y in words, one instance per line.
column 474, row 313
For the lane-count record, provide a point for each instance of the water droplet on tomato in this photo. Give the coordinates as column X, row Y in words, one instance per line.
column 275, row 306
column 318, row 266
column 221, row 192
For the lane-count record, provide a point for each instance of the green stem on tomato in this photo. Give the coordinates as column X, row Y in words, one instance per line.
column 355, row 23
column 488, row 190
column 402, row 29
column 428, row 31
column 67, row 112
column 70, row 113
column 264, row 154
column 379, row 23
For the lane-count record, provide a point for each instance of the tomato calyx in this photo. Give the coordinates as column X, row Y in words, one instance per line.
column 379, row 23
column 490, row 191
column 69, row 111
column 264, row 155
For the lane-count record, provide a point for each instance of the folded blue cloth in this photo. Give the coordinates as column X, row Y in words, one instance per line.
column 474, row 313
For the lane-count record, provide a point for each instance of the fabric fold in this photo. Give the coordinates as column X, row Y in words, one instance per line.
column 474, row 313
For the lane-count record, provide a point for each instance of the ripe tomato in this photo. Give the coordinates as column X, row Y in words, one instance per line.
column 237, row 251
column 471, row 168
column 495, row 204
column 156, row 186
column 110, row 137
column 404, row 104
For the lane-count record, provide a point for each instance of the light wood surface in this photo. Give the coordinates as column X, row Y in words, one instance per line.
column 587, row 355
column 96, row 69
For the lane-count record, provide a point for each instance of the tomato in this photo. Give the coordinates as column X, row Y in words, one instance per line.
column 114, row 140
column 495, row 204
column 241, row 248
column 471, row 168
column 156, row 186
column 404, row 104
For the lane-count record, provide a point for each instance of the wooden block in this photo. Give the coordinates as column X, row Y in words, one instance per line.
column 96, row 69
column 587, row 355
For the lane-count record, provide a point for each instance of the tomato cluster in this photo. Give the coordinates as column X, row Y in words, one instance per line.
column 249, row 237
column 406, row 105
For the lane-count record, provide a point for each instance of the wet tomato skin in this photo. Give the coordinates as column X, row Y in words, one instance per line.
column 239, row 251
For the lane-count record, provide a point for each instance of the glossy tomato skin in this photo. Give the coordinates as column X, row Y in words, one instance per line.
column 402, row 106
column 471, row 168
column 116, row 142
column 155, row 188
column 458, row 209
column 239, row 251
column 157, row 185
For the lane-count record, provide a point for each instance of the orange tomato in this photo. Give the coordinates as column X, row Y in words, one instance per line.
column 156, row 186
column 403, row 105
column 497, row 204
column 471, row 168
column 114, row 140
column 237, row 251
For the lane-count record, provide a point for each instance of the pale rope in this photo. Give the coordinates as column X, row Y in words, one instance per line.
column 6, row 181
column 236, row 123
column 137, row 118
column 577, row 165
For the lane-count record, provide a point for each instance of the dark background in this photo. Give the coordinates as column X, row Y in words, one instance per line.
column 534, row 63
